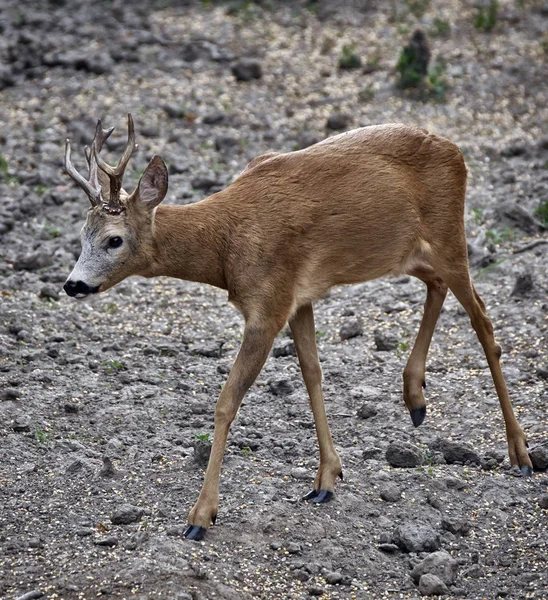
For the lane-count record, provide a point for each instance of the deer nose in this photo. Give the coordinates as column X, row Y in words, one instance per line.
column 73, row 288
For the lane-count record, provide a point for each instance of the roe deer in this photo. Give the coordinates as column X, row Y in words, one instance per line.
column 379, row 200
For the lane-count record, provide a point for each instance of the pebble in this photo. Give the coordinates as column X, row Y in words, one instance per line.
column 385, row 342
column 316, row 590
column 430, row 585
column 404, row 454
column 280, row 387
column 338, row 121
column 539, row 458
column 202, row 451
column 543, row 501
column 126, row 514
column 33, row 262
column 441, row 564
column 333, row 577
column 454, row 452
column 49, row 291
column 286, row 348
column 372, row 454
column 456, row 526
column 524, row 285
column 390, row 492
column 351, row 329
column 307, row 139
column 21, row 424
column 293, row 548
column 9, row 394
column 109, row 540
column 413, row 536
column 247, row 69
column 300, row 473
column 366, row 411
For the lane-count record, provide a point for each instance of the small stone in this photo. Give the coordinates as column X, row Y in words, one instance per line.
column 276, row 545
column 454, row 452
column 524, row 285
column 71, row 408
column 307, row 139
column 539, row 458
column 351, row 329
column 293, row 548
column 300, row 473
column 247, row 69
column 109, row 540
column 388, row 548
column 21, row 424
column 301, row 575
column 413, row 536
column 543, row 501
column 225, row 143
column 204, row 183
column 9, row 394
column 333, row 577
column 366, row 411
column 214, row 118
column 202, row 451
column 33, row 262
column 338, row 121
column 474, row 571
column 456, row 526
column 316, row 590
column 542, row 372
column 430, row 585
column 385, row 342
column 49, row 291
column 126, row 514
column 107, row 470
column 174, row 110
column 441, row 564
column 514, row 215
column 85, row 531
column 404, row 455
column 390, row 492
column 286, row 348
column 280, row 387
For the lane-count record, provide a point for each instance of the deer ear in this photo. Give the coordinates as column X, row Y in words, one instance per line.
column 152, row 186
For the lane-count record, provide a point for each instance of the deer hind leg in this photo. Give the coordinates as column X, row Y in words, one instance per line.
column 304, row 336
column 461, row 285
column 413, row 374
column 256, row 344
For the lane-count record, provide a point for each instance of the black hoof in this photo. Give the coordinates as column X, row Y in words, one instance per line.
column 318, row 496
column 417, row 415
column 195, row 532
column 526, row 470
column 341, row 476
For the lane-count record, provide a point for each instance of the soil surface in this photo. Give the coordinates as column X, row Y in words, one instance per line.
column 101, row 402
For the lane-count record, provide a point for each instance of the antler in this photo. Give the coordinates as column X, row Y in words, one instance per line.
column 91, row 186
column 116, row 174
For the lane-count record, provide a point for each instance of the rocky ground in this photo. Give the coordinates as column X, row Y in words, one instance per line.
column 102, row 402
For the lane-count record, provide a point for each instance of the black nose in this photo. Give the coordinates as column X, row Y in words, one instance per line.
column 72, row 288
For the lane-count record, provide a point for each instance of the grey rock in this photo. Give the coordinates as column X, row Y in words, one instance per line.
column 214, row 118
column 456, row 526
column 109, row 541
column 126, row 514
column 514, row 215
column 85, row 531
column 202, row 451
column 21, row 424
column 385, row 342
column 413, row 536
column 543, row 501
column 430, row 585
column 212, row 350
column 99, row 63
column 539, row 458
column 333, row 577
column 524, row 285
column 7, row 77
column 301, row 575
column 225, row 143
column 338, row 121
column 33, row 262
column 174, row 110
column 247, row 69
column 366, row 411
column 351, row 329
column 9, row 394
column 404, row 454
column 388, row 548
column 441, row 564
column 286, row 348
column 316, row 590
column 390, row 492
column 49, row 291
column 300, row 473
column 280, row 387
column 107, row 470
column 293, row 548
column 454, row 452
column 474, row 571
column 204, row 183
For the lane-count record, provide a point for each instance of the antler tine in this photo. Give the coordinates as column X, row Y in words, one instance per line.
column 100, row 137
column 93, row 192
column 116, row 174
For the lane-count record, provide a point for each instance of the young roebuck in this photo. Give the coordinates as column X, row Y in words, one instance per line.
column 375, row 201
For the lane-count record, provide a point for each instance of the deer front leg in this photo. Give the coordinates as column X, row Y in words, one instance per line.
column 256, row 344
column 304, row 336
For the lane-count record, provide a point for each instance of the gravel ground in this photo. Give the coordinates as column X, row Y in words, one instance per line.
column 101, row 402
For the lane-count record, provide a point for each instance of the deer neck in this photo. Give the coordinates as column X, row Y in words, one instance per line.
column 187, row 244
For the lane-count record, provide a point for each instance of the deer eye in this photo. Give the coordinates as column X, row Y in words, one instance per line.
column 115, row 242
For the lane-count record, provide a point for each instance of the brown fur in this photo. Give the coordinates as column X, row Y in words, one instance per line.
column 371, row 202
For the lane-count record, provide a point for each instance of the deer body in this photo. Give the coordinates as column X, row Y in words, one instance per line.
column 374, row 201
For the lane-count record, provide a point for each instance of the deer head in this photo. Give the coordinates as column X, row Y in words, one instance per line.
column 117, row 234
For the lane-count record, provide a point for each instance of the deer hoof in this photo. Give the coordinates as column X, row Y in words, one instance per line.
column 417, row 415
column 195, row 532
column 526, row 470
column 318, row 496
